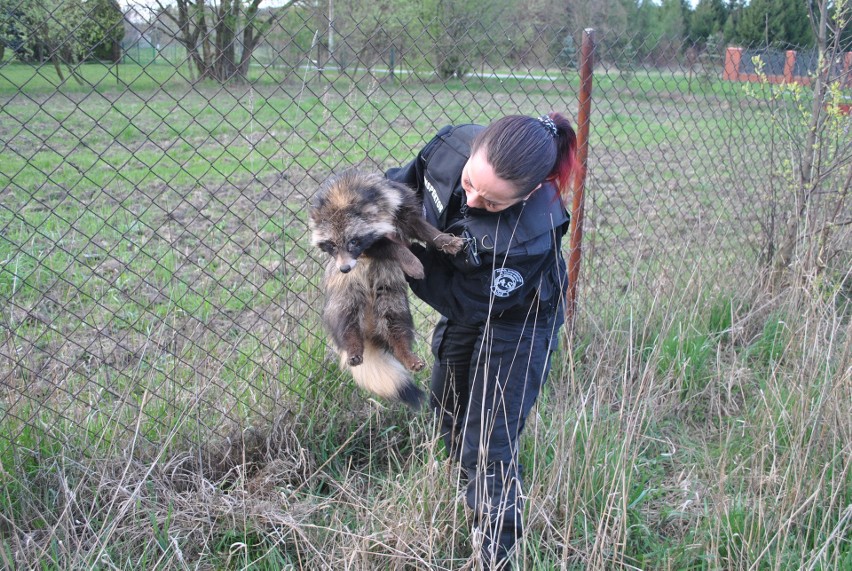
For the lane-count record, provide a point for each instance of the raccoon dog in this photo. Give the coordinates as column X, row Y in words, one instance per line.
column 364, row 223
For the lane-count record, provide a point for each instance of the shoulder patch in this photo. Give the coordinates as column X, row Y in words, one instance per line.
column 505, row 281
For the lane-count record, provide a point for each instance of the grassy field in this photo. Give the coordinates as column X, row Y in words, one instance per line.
column 167, row 396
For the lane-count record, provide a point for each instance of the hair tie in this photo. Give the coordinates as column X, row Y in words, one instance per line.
column 549, row 125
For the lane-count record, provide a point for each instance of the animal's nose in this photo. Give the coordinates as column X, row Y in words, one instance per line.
column 346, row 263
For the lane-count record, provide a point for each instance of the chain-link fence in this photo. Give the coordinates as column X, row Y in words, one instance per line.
column 156, row 271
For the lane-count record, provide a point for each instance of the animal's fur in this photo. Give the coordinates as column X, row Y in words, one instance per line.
column 364, row 222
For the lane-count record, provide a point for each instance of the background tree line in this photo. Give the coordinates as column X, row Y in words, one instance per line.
column 220, row 36
column 66, row 31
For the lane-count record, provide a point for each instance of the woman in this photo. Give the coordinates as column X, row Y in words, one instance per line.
column 502, row 188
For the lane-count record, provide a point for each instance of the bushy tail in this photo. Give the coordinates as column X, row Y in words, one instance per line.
column 383, row 375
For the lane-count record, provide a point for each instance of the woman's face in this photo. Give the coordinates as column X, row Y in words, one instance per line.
column 486, row 190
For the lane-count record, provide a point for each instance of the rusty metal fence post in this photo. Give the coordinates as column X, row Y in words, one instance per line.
column 583, row 124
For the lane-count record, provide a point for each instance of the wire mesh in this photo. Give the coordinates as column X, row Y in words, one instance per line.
column 156, row 269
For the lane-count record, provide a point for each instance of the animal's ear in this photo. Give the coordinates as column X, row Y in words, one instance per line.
column 313, row 218
column 317, row 201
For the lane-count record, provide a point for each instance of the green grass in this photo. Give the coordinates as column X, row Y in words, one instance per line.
column 34, row 79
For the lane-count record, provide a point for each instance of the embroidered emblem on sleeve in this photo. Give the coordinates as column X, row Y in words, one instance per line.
column 505, row 281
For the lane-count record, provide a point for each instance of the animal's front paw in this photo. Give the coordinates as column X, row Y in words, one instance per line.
column 449, row 244
column 417, row 364
column 355, row 360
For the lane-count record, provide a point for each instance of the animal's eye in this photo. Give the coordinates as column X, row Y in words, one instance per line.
column 353, row 243
column 328, row 248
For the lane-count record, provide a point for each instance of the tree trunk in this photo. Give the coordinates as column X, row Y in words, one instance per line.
column 213, row 51
column 206, row 49
column 249, row 43
column 252, row 33
column 225, row 26
column 54, row 59
column 189, row 30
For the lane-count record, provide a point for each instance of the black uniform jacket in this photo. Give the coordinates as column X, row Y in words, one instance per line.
column 512, row 262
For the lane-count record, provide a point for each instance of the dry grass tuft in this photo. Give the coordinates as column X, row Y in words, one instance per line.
column 713, row 433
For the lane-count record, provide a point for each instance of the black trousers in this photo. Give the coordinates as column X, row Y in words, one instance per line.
column 484, row 384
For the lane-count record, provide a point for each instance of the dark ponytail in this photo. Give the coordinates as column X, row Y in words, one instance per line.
column 526, row 151
column 566, row 155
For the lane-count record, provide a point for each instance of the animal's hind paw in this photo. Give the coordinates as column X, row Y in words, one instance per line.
column 416, row 365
